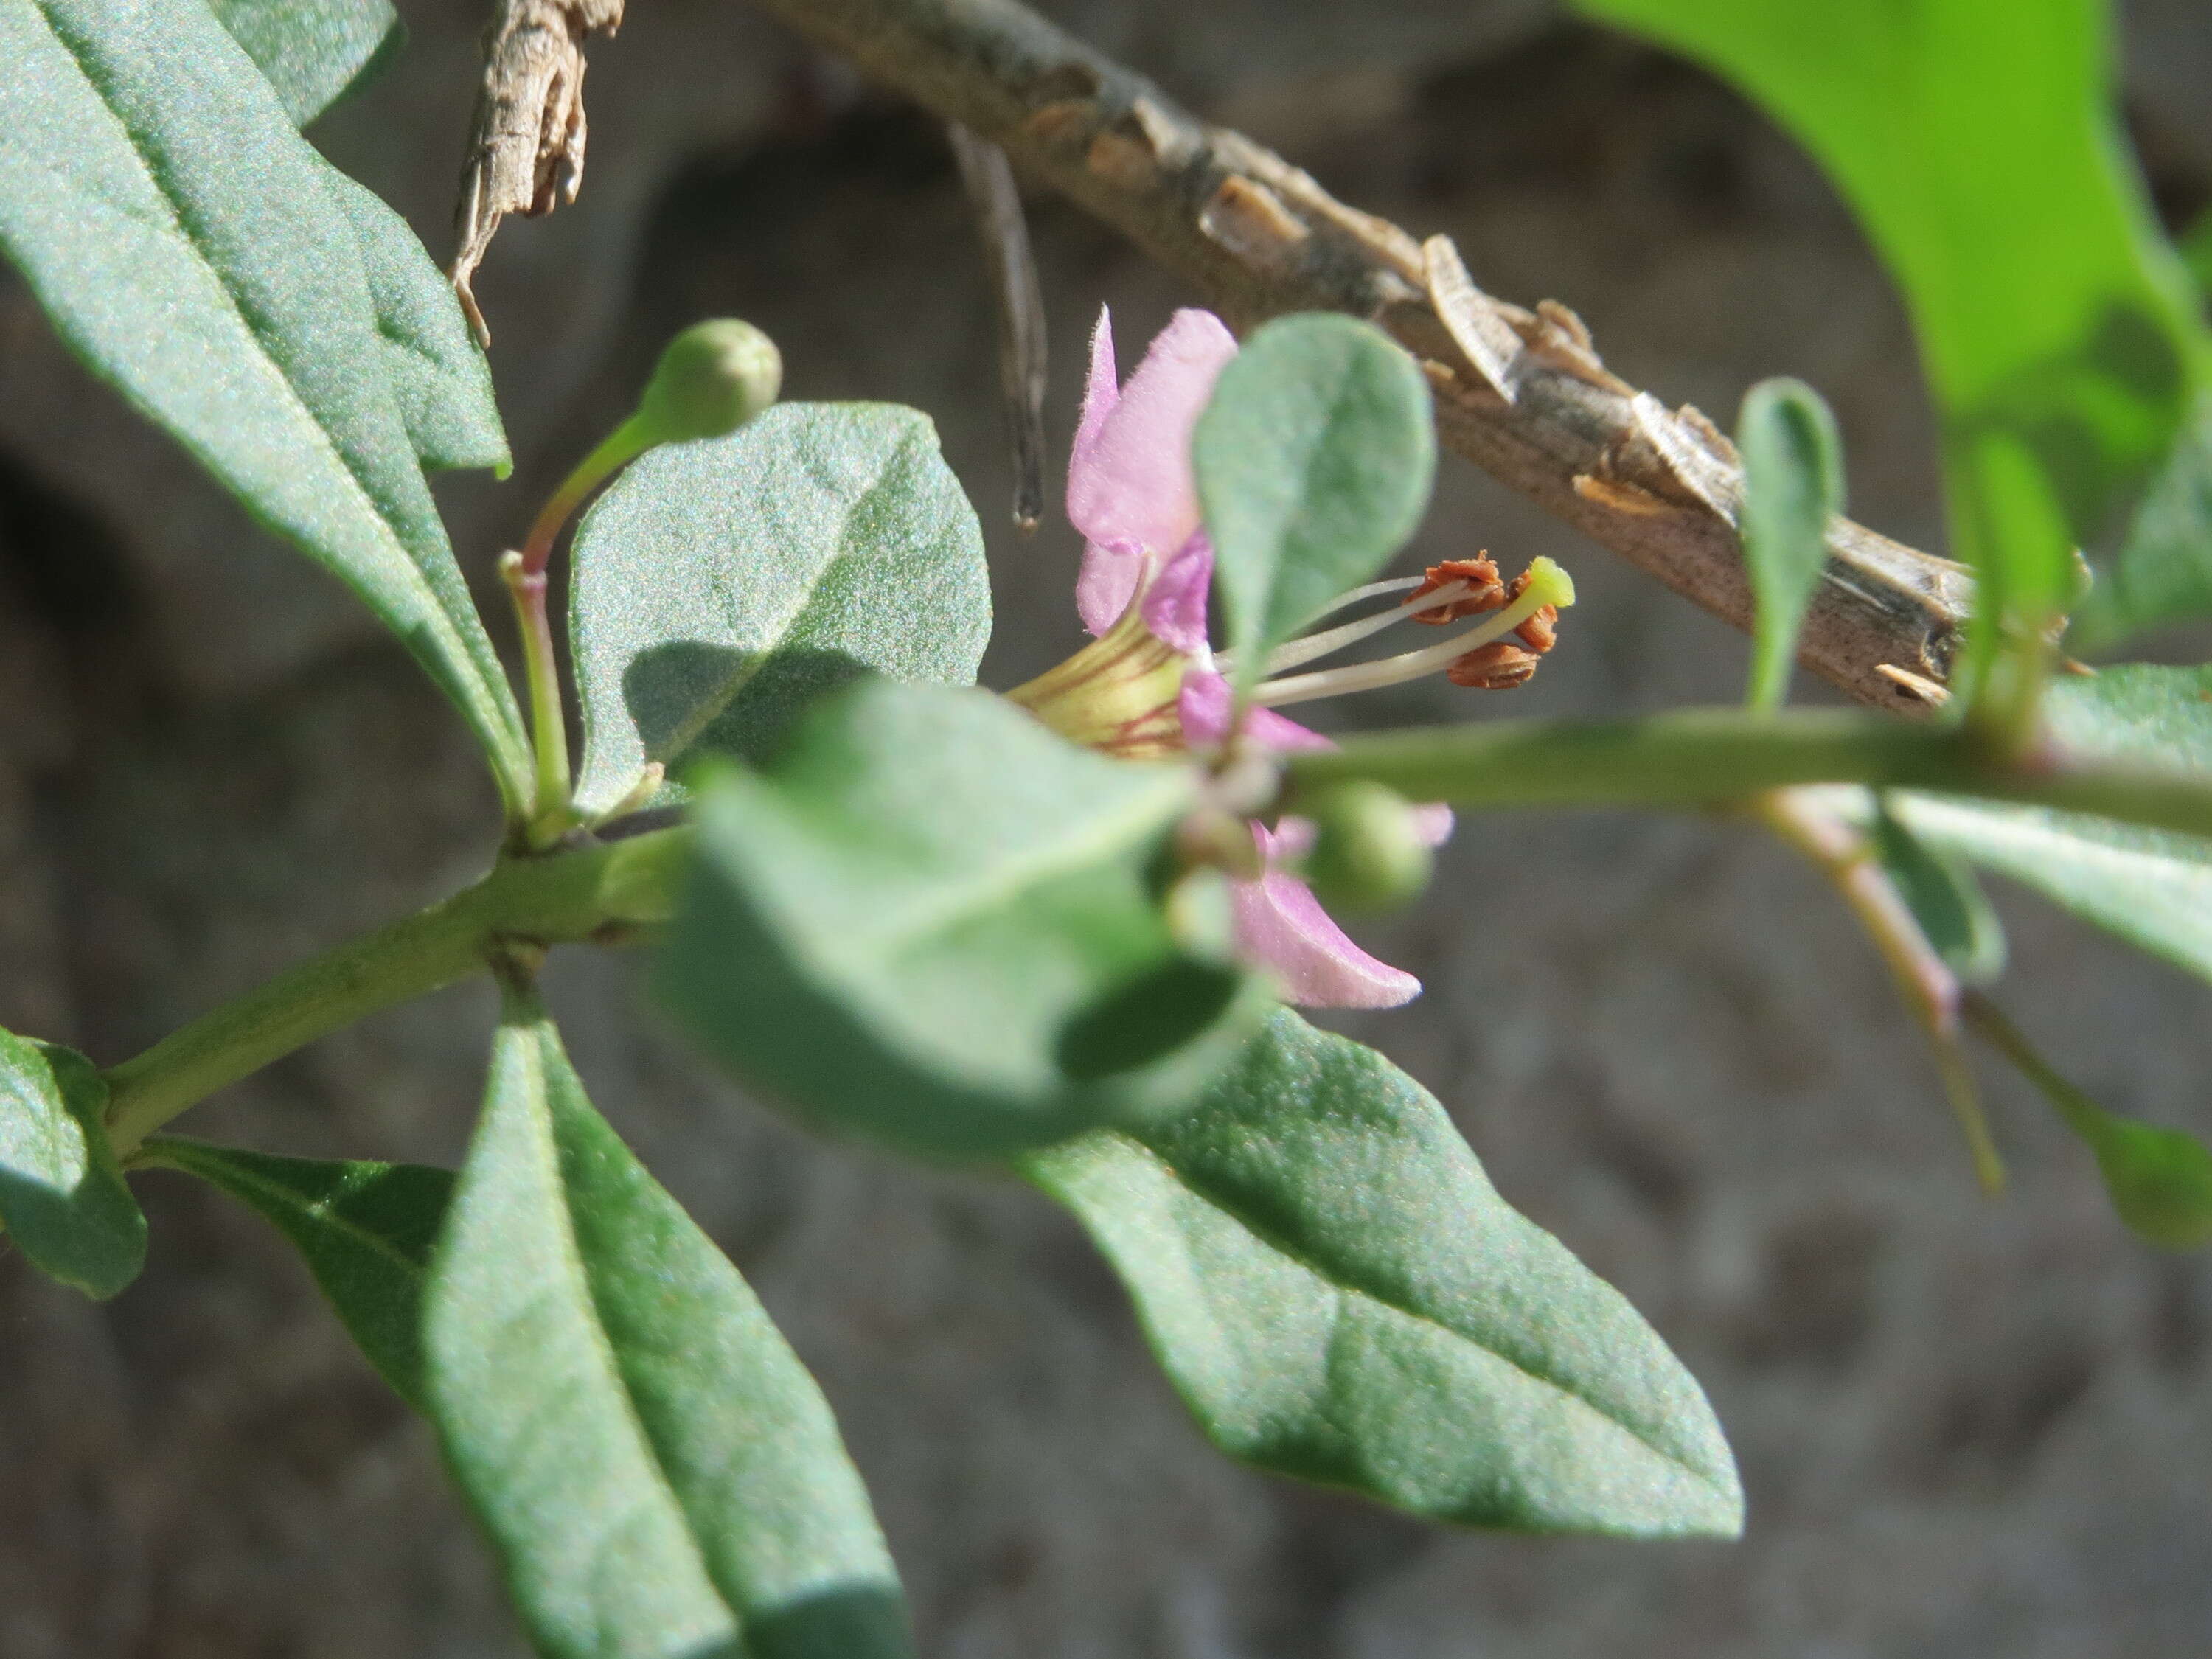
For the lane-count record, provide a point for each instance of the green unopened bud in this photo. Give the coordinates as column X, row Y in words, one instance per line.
column 1368, row 853
column 713, row 378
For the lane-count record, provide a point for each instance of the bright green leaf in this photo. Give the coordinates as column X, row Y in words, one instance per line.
column 2163, row 572
column 436, row 371
column 61, row 1199
column 2150, row 887
column 1339, row 1294
column 1314, row 463
column 313, row 51
column 364, row 1229
column 1978, row 144
column 723, row 584
column 187, row 244
column 657, row 1472
column 1953, row 912
column 1793, row 484
column 931, row 921
column 2159, row 1179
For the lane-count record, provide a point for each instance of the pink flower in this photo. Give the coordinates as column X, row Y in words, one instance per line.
column 1150, row 686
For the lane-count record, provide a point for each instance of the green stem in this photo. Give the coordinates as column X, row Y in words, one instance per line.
column 595, row 890
column 616, row 451
column 1711, row 757
column 550, row 815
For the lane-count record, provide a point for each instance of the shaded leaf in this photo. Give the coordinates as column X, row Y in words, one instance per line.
column 62, row 1198
column 364, row 1230
column 931, row 921
column 1338, row 1294
column 720, row 586
column 1946, row 900
column 1793, row 479
column 2163, row 572
column 659, row 1476
column 441, row 382
column 1314, row 462
column 2152, row 888
column 313, row 51
column 1981, row 152
column 188, row 245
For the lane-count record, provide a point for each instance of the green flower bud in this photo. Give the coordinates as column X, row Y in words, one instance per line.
column 1368, row 853
column 713, row 378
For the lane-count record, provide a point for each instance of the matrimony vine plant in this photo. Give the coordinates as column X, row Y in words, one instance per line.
column 1059, row 931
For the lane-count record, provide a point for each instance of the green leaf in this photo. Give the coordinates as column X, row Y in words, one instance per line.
column 723, row 584
column 62, row 1198
column 659, row 1476
column 437, row 373
column 2163, row 572
column 188, row 245
column 364, row 1229
column 2159, row 1179
column 932, row 922
column 1314, row 461
column 2197, row 254
column 1979, row 147
column 2150, row 887
column 313, row 51
column 1793, row 484
column 1954, row 913
column 1340, row 1295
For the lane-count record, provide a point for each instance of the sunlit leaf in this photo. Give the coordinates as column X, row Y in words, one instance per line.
column 1339, row 1294
column 931, row 921
column 723, row 584
column 364, row 1230
column 1314, row 463
column 659, row 1473
column 188, row 247
column 1793, row 484
column 61, row 1199
column 313, row 51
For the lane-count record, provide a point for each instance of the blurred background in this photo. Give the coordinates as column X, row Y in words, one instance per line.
column 1967, row 1429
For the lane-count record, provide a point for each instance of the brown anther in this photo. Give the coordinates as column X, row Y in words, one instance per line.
column 1496, row 667
column 1537, row 632
column 1479, row 573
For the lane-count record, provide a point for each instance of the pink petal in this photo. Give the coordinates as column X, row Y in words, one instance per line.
column 1280, row 924
column 1175, row 605
column 1433, row 824
column 1100, row 393
column 1130, row 483
column 1203, row 707
column 1106, row 583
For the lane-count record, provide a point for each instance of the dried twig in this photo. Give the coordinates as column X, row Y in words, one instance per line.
column 998, row 207
column 1522, row 393
column 527, row 152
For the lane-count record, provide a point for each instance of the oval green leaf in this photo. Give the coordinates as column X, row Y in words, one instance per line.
column 1793, row 484
column 659, row 1473
column 313, row 51
column 364, row 1229
column 932, row 922
column 1338, row 1294
column 186, row 243
column 1314, row 463
column 62, row 1198
column 723, row 584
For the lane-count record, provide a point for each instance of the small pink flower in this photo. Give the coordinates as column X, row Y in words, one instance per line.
column 1151, row 685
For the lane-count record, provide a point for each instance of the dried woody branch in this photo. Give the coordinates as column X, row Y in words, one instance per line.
column 526, row 152
column 1520, row 393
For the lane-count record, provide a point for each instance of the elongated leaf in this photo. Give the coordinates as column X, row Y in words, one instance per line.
column 1945, row 899
column 2159, row 1179
column 1793, row 484
column 364, row 1229
column 660, row 1476
column 1340, row 1295
column 2151, row 888
column 188, row 245
column 438, row 377
column 1314, row 464
column 62, row 1198
column 1979, row 145
column 313, row 51
column 2164, row 570
column 931, row 921
column 720, row 586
